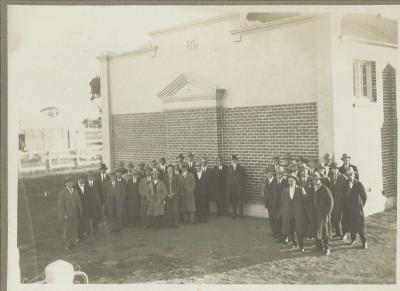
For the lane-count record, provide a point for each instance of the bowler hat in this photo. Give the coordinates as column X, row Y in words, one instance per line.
column 234, row 157
column 344, row 156
column 103, row 166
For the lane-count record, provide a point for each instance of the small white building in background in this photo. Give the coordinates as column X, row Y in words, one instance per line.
column 260, row 85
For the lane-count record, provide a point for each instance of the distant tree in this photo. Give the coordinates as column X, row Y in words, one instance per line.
column 95, row 88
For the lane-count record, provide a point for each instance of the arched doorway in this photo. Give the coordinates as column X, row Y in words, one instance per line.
column 389, row 132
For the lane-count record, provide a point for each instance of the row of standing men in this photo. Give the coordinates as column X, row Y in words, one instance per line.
column 304, row 202
column 152, row 196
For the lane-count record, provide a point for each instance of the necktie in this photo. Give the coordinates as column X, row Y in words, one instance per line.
column 113, row 184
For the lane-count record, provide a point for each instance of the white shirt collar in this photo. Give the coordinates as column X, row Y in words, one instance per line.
column 291, row 191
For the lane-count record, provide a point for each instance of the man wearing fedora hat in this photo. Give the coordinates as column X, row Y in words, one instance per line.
column 294, row 221
column 219, row 186
column 81, row 188
column 173, row 183
column 188, row 203
column 133, row 199
column 353, row 218
column 179, row 160
column 305, row 181
column 338, row 188
column 346, row 165
column 69, row 209
column 270, row 199
column 235, row 184
column 281, row 183
column 114, row 203
column 323, row 204
column 94, row 213
column 162, row 168
column 101, row 179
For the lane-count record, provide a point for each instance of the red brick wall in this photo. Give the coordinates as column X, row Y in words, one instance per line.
column 256, row 134
column 389, row 132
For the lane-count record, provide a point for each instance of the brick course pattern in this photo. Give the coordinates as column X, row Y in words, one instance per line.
column 389, row 132
column 256, row 134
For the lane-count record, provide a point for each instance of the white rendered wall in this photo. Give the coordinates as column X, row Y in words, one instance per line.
column 357, row 125
column 268, row 67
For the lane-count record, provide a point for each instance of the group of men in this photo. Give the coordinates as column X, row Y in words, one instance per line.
column 305, row 199
column 155, row 195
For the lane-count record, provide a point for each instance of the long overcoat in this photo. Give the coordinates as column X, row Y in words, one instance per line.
column 69, row 206
column 156, row 198
column 133, row 198
column 219, row 184
column 114, row 200
column 353, row 217
column 295, row 208
column 236, row 182
column 144, row 188
column 323, row 205
column 188, row 203
column 339, row 193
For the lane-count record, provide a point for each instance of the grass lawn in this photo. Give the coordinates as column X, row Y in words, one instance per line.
column 222, row 251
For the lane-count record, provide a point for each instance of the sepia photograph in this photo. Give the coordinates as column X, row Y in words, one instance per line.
column 202, row 144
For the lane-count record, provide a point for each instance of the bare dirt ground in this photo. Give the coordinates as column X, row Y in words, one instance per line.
column 222, row 251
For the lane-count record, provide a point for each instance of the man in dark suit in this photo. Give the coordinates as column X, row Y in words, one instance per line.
column 202, row 191
column 219, row 185
column 191, row 163
column 338, row 188
column 294, row 222
column 346, row 165
column 281, row 183
column 354, row 208
column 114, row 203
column 270, row 199
column 162, row 169
column 101, row 180
column 305, row 181
column 92, row 199
column 328, row 164
column 323, row 205
column 81, row 188
column 173, row 183
column 179, row 160
column 133, row 199
column 235, row 185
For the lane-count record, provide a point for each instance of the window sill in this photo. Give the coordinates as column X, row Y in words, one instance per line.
column 358, row 102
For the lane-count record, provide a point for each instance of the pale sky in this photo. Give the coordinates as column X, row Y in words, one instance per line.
column 53, row 49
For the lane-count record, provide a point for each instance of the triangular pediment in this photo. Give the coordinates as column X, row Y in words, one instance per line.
column 189, row 86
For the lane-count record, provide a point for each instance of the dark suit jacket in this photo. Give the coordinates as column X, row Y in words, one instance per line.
column 203, row 185
column 236, row 181
column 219, row 182
column 175, row 185
column 101, row 185
column 279, row 188
column 295, row 208
column 353, row 220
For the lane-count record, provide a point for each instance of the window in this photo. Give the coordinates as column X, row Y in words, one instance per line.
column 364, row 80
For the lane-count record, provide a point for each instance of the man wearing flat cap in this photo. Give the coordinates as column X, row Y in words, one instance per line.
column 347, row 165
column 114, row 206
column 101, row 179
column 294, row 221
column 219, row 185
column 338, row 188
column 69, row 209
column 323, row 205
column 270, row 199
column 235, row 186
